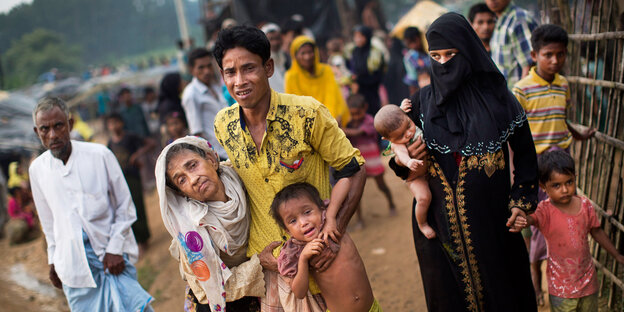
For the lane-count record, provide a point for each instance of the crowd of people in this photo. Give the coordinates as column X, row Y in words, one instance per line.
column 264, row 153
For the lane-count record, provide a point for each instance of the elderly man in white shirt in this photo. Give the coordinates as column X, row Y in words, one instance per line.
column 86, row 211
column 203, row 98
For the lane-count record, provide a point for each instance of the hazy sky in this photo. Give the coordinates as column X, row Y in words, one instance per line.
column 7, row 5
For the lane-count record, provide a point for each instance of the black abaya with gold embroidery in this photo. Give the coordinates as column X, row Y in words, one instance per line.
column 474, row 263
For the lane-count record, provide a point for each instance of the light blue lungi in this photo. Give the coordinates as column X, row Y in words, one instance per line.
column 114, row 293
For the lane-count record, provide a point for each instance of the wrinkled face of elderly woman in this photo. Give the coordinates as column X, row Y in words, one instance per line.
column 196, row 176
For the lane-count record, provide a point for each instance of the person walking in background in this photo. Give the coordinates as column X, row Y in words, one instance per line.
column 150, row 109
column 129, row 150
column 483, row 21
column 393, row 80
column 132, row 114
column 511, row 41
column 362, row 134
column 545, row 96
column 367, row 66
column 202, row 98
column 307, row 76
column 417, row 62
column 273, row 32
column 169, row 101
column 86, row 213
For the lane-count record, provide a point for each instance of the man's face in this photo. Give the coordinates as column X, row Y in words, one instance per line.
column 126, row 98
column 246, row 77
column 483, row 24
column 53, row 128
column 497, row 6
column 275, row 38
column 202, row 70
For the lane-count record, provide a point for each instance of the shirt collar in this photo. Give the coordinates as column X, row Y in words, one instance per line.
column 270, row 114
column 200, row 86
column 537, row 78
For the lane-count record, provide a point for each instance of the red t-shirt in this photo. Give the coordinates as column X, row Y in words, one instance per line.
column 571, row 272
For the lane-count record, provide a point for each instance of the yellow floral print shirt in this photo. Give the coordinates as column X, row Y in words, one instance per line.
column 301, row 141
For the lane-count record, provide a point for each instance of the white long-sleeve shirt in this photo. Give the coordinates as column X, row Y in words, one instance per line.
column 88, row 193
column 201, row 104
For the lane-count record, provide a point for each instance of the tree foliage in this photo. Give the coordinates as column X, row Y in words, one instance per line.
column 36, row 53
column 105, row 29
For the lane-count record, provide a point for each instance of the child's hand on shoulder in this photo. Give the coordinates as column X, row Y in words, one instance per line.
column 312, row 248
column 406, row 105
column 413, row 164
column 330, row 230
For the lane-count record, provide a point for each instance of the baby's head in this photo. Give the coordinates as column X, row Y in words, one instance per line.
column 297, row 209
column 394, row 125
column 557, row 175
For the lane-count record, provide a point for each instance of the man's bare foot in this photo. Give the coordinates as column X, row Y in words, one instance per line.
column 427, row 230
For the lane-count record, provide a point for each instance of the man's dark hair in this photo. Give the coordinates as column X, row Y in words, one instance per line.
column 113, row 116
column 547, row 34
column 555, row 161
column 250, row 38
column 123, row 90
column 197, row 54
column 148, row 90
column 411, row 33
column 296, row 190
column 478, row 8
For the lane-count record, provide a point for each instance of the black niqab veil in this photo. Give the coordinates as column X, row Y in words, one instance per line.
column 467, row 108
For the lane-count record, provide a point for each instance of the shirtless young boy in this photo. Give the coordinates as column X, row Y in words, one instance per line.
column 395, row 126
column 344, row 285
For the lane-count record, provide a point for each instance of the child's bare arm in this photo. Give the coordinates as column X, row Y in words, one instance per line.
column 402, row 155
column 578, row 135
column 601, row 237
column 338, row 196
column 299, row 283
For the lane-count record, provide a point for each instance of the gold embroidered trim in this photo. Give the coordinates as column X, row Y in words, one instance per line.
column 521, row 203
column 459, row 230
column 489, row 162
column 493, row 162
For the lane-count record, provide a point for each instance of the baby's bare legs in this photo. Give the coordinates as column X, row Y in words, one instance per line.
column 420, row 189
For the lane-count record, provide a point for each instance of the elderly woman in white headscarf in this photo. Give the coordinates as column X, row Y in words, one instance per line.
column 204, row 208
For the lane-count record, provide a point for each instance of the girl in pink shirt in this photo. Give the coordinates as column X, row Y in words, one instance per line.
column 566, row 219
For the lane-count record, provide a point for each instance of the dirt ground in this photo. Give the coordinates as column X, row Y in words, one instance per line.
column 385, row 244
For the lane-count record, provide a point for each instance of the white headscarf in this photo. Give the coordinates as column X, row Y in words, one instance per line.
column 202, row 229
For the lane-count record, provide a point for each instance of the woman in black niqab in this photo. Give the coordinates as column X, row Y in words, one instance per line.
column 469, row 118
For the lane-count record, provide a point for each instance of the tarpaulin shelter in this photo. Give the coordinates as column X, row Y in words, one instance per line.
column 421, row 15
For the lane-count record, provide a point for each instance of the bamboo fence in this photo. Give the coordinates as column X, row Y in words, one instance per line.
column 595, row 71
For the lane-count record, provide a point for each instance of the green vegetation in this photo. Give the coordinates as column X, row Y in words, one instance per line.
column 88, row 32
column 38, row 52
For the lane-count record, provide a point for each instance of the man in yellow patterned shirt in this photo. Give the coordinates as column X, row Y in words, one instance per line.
column 276, row 139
